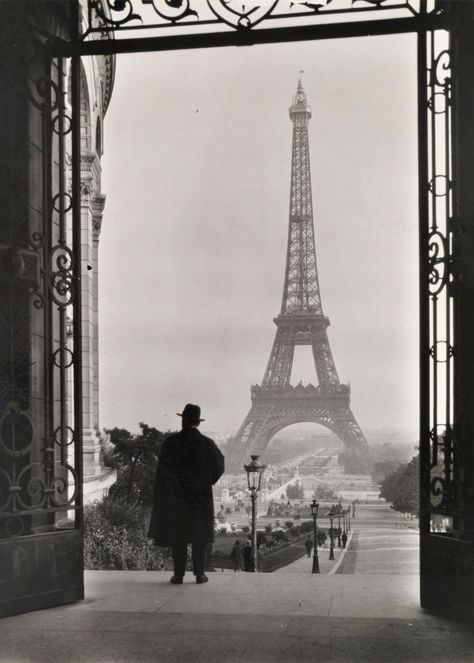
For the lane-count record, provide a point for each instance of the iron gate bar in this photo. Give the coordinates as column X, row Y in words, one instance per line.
column 418, row 23
column 424, row 304
column 62, row 241
column 77, row 267
column 47, row 127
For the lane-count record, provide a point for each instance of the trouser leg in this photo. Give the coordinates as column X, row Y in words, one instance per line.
column 180, row 553
column 199, row 558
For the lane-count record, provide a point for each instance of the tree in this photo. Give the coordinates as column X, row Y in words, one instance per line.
column 382, row 469
column 306, row 526
column 401, row 487
column 295, row 492
column 135, row 458
column 386, row 458
column 324, row 492
column 280, row 535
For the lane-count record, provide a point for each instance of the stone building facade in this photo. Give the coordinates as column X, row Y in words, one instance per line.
column 96, row 82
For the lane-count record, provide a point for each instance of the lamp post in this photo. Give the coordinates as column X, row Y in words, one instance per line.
column 331, row 533
column 314, row 512
column 254, row 480
column 339, row 544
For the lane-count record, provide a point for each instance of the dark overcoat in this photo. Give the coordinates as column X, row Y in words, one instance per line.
column 183, row 509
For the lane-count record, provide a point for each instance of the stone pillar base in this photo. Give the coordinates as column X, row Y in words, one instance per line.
column 92, row 454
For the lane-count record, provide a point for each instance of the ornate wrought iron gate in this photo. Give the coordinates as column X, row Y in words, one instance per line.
column 40, row 294
column 42, row 262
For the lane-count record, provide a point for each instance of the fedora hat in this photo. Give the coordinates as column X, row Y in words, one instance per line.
column 191, row 414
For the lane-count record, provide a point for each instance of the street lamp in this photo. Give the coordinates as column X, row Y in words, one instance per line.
column 331, row 533
column 339, row 544
column 254, row 480
column 314, row 512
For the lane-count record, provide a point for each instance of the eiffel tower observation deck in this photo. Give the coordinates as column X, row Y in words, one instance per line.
column 276, row 403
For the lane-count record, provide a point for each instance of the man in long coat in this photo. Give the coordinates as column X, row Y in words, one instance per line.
column 183, row 509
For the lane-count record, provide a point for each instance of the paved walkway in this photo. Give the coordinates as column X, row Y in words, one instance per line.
column 382, row 550
column 282, row 617
column 305, row 564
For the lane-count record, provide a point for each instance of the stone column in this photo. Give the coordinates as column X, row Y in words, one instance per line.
column 97, row 209
column 90, row 176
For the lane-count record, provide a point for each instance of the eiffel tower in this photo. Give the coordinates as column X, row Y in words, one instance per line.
column 276, row 403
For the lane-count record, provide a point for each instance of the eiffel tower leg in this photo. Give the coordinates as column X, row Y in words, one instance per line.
column 355, row 454
column 252, row 437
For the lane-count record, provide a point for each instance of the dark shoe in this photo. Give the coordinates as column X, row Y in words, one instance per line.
column 176, row 581
column 201, row 579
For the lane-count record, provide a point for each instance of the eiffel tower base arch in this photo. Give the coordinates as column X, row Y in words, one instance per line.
column 272, row 412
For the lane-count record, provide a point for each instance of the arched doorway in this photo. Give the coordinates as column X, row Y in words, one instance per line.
column 446, row 283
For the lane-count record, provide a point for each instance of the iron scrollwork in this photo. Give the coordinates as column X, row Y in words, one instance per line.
column 31, row 491
column 172, row 10
column 119, row 12
column 442, row 484
column 61, row 275
column 37, row 475
column 438, row 261
column 126, row 15
column 441, row 70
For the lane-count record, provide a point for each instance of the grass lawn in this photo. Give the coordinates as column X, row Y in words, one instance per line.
column 273, row 560
column 224, row 543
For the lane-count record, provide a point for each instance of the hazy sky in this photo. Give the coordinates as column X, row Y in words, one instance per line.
column 192, row 252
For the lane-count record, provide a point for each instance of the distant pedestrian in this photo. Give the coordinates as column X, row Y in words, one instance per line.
column 308, row 544
column 236, row 556
column 248, row 557
column 208, row 562
column 260, row 559
column 183, row 508
column 344, row 539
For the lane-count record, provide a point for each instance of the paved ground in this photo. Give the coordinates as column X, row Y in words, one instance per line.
column 305, row 564
column 384, row 543
column 353, row 616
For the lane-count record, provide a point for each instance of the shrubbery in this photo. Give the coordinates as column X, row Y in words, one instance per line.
column 115, row 537
column 401, row 487
column 115, row 529
column 306, row 526
column 280, row 535
column 295, row 531
column 324, row 492
column 295, row 492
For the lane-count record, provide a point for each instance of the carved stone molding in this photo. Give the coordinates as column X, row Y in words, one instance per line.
column 90, row 177
column 86, row 192
column 97, row 205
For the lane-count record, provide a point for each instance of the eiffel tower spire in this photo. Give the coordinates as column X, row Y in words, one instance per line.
column 276, row 403
column 301, row 317
column 301, row 288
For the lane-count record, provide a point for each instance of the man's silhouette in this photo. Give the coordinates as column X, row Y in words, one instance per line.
column 183, row 508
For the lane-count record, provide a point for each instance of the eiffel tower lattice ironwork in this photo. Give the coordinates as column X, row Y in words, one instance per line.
column 276, row 403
